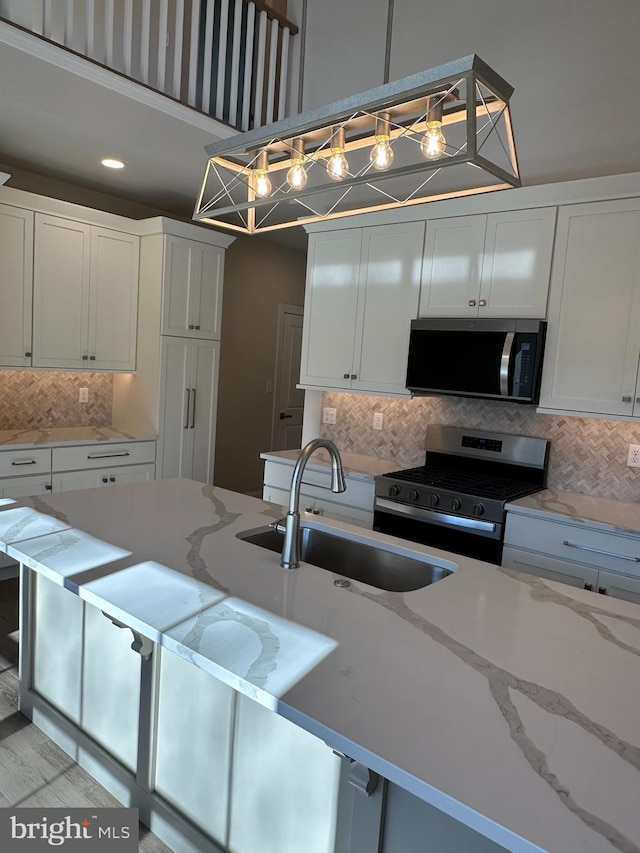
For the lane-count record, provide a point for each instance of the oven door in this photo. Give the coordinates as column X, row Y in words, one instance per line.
column 468, row 536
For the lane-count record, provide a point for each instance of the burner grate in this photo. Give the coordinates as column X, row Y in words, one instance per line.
column 471, row 483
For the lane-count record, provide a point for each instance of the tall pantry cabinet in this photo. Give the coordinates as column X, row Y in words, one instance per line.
column 175, row 388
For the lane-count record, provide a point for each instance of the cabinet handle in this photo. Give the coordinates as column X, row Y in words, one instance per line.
column 472, row 303
column 27, row 355
column 637, row 399
column 107, row 455
column 197, row 327
column 316, row 512
column 283, row 416
column 626, row 398
column 602, row 590
column 105, row 480
column 29, row 462
column 48, row 487
column 191, row 325
column 112, row 479
column 599, row 551
column 354, row 375
column 308, row 509
column 92, row 358
column 193, row 409
column 85, row 358
column 589, row 586
column 345, row 376
column 482, row 303
column 186, row 417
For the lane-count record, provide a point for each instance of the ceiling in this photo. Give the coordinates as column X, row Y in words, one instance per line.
column 60, row 115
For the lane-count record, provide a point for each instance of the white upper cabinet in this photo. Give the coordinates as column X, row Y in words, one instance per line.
column 593, row 339
column 489, row 265
column 193, row 279
column 85, row 296
column 363, row 287
column 16, row 251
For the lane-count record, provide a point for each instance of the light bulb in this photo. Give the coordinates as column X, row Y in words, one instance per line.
column 261, row 182
column 337, row 166
column 381, row 155
column 433, row 142
column 297, row 174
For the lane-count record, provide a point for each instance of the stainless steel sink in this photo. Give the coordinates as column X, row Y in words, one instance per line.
column 367, row 563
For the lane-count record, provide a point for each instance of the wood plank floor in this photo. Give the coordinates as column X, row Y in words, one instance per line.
column 33, row 770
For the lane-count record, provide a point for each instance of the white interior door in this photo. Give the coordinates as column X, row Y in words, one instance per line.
column 289, row 400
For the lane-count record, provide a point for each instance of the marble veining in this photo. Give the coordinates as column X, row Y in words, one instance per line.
column 501, row 682
column 26, row 438
column 611, row 515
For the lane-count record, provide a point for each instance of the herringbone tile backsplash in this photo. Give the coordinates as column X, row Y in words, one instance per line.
column 38, row 399
column 587, row 455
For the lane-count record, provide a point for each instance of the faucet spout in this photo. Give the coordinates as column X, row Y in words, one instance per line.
column 291, row 547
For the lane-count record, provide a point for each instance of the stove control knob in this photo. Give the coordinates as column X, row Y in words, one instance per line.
column 478, row 509
column 414, row 495
column 455, row 504
column 394, row 491
column 434, row 500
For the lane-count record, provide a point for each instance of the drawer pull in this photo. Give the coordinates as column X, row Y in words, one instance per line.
column 602, row 590
column 599, row 551
column 589, row 586
column 29, row 462
column 106, row 455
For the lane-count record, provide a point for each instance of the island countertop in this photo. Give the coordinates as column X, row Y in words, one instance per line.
column 510, row 702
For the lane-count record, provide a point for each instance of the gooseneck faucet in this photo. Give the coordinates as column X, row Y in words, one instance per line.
column 291, row 547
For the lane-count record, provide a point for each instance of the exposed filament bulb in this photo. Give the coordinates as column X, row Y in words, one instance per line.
column 381, row 155
column 337, row 166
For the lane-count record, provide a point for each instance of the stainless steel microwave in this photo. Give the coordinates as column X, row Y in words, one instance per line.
column 494, row 359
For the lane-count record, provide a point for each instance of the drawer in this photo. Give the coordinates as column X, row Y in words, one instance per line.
column 103, row 455
column 577, row 543
column 359, row 493
column 15, row 463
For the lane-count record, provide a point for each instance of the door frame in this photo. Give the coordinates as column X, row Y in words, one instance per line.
column 282, row 310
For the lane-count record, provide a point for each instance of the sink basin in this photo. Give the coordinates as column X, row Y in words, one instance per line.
column 367, row 563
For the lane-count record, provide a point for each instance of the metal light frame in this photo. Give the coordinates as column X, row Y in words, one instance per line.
column 410, row 102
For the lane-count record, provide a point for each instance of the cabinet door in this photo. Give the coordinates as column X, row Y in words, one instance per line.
column 176, row 438
column 593, row 340
column 132, row 474
column 69, row 481
column 179, row 272
column 573, row 574
column 22, row 487
column 61, row 293
column 517, row 263
column 207, row 291
column 204, row 398
column 16, row 251
column 619, row 586
column 388, row 300
column 330, row 309
column 113, row 300
column 453, row 254
column 193, row 279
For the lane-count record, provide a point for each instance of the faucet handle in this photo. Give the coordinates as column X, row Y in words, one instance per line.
column 278, row 525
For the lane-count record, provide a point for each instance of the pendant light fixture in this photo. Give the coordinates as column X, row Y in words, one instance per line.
column 381, row 149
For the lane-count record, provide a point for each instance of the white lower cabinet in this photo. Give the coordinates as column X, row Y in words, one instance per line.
column 23, row 487
column 188, row 401
column 68, row 481
column 574, row 553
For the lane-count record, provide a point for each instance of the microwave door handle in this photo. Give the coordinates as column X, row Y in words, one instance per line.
column 505, row 361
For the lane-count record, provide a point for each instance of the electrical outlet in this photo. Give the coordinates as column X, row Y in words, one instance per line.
column 378, row 417
column 328, row 415
column 84, row 395
column 633, row 457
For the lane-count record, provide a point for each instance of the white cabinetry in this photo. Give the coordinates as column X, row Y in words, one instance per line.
column 16, row 252
column 85, row 299
column 188, row 398
column 91, row 466
column 355, row 505
column 593, row 339
column 489, row 265
column 362, row 293
column 574, row 553
column 192, row 300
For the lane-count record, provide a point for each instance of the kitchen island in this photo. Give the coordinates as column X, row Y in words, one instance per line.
column 505, row 701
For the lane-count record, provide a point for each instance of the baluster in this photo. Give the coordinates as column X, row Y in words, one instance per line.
column 208, row 60
column 284, row 64
column 37, row 16
column 109, row 27
column 90, row 28
column 145, row 40
column 194, row 41
column 273, row 62
column 127, row 37
column 178, row 37
column 235, row 62
column 163, row 29
column 48, row 19
column 260, row 60
column 68, row 23
column 248, row 66
column 222, row 58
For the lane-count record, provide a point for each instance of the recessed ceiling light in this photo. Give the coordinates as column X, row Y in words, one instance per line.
column 112, row 163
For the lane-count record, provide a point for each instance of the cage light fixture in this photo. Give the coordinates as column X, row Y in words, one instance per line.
column 443, row 133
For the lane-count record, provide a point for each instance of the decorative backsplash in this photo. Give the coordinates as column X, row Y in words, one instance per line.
column 39, row 399
column 588, row 455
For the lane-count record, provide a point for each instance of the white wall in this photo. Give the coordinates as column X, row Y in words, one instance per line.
column 573, row 64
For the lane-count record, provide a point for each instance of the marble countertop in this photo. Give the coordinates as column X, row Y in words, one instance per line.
column 356, row 465
column 19, row 439
column 599, row 513
column 510, row 702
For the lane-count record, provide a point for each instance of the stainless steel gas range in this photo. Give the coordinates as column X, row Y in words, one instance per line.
column 456, row 500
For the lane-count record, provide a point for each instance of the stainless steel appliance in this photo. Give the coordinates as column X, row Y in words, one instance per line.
column 456, row 499
column 495, row 359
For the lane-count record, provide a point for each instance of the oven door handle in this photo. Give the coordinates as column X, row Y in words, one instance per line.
column 505, row 361
column 430, row 515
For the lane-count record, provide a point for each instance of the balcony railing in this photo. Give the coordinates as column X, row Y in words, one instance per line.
column 227, row 58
